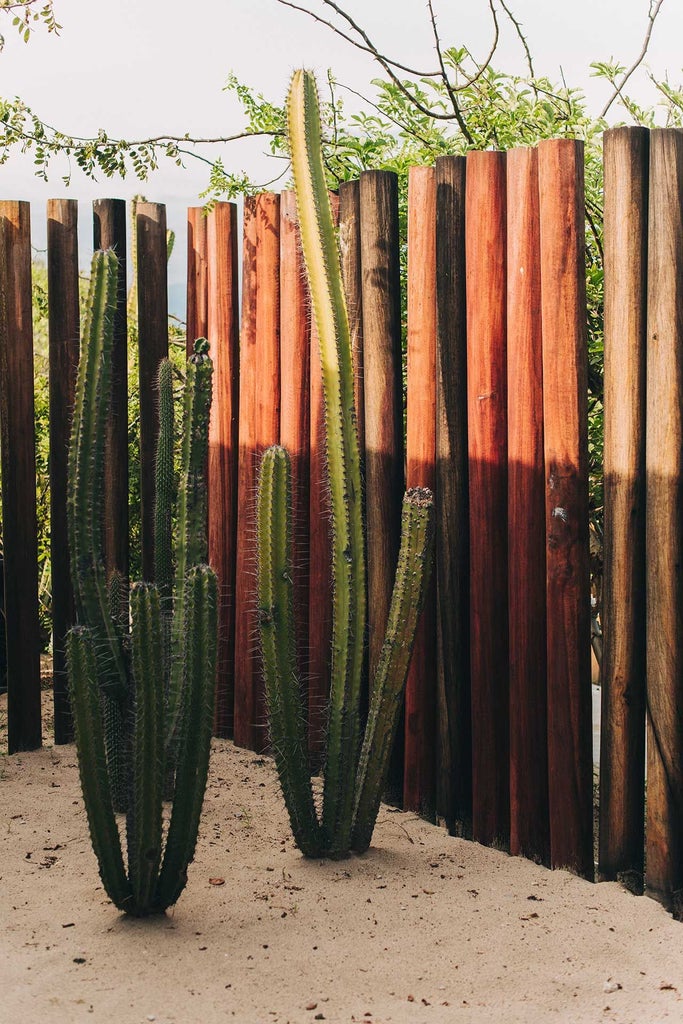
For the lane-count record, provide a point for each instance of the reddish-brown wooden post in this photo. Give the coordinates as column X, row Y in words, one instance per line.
column 487, row 440
column 622, row 724
column 529, row 826
column 20, row 546
column 320, row 557
column 570, row 761
column 222, row 330
column 454, row 708
column 259, row 428
column 109, row 232
column 64, row 350
column 197, row 315
column 152, row 289
column 295, row 430
column 383, row 407
column 664, row 530
column 419, row 761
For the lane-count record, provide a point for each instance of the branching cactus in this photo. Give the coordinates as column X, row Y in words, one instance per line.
column 142, row 692
column 355, row 768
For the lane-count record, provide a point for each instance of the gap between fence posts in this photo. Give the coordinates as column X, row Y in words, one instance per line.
column 485, row 220
column 454, row 705
column 152, row 294
column 17, row 423
column 217, row 248
column 664, row 529
column 623, row 676
column 565, row 384
column 64, row 352
column 420, row 718
column 529, row 825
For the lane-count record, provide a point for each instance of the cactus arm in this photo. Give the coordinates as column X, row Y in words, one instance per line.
column 86, row 455
column 412, row 577
column 321, row 256
column 144, row 813
column 276, row 628
column 164, row 480
column 92, row 763
column 191, row 548
column 194, row 746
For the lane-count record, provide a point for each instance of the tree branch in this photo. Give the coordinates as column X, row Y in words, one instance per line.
column 655, row 7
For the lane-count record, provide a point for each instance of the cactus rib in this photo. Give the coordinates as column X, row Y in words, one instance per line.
column 92, row 764
column 321, row 257
column 276, row 623
column 144, row 813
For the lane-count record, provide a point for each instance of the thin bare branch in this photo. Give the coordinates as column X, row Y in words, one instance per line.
column 522, row 38
column 388, row 117
column 446, row 81
column 654, row 9
column 366, row 46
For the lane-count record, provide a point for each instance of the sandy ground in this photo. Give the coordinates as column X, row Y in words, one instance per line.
column 424, row 928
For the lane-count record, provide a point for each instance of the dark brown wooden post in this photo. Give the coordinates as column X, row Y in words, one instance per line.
column 20, row 546
column 485, row 219
column 454, row 708
column 664, row 530
column 563, row 275
column 197, row 315
column 259, row 428
column 295, row 430
column 109, row 232
column 152, row 288
column 529, row 825
column 622, row 727
column 222, row 330
column 64, row 351
column 419, row 760
column 383, row 405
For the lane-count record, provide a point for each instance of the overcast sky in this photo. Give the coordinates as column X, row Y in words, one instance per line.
column 140, row 68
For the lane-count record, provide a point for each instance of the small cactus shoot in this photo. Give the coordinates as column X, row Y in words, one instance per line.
column 355, row 771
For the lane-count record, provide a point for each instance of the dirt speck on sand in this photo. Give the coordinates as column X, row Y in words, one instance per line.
column 423, row 928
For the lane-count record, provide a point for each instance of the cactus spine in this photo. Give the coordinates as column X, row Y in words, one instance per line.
column 152, row 683
column 353, row 783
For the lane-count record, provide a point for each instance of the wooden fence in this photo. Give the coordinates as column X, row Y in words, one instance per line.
column 496, row 738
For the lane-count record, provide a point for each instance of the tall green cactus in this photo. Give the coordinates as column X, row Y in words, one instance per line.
column 354, row 775
column 142, row 694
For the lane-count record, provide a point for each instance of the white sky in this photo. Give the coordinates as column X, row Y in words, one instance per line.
column 142, row 68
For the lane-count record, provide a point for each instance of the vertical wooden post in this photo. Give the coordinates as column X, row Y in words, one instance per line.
column 350, row 251
column 109, row 232
column 260, row 346
column 152, row 289
column 664, row 540
column 563, row 275
column 295, row 431
column 383, row 406
column 529, row 825
column 222, row 330
column 485, row 218
column 64, row 351
column 454, row 708
column 622, row 723
column 419, row 762
column 20, row 546
column 197, row 315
